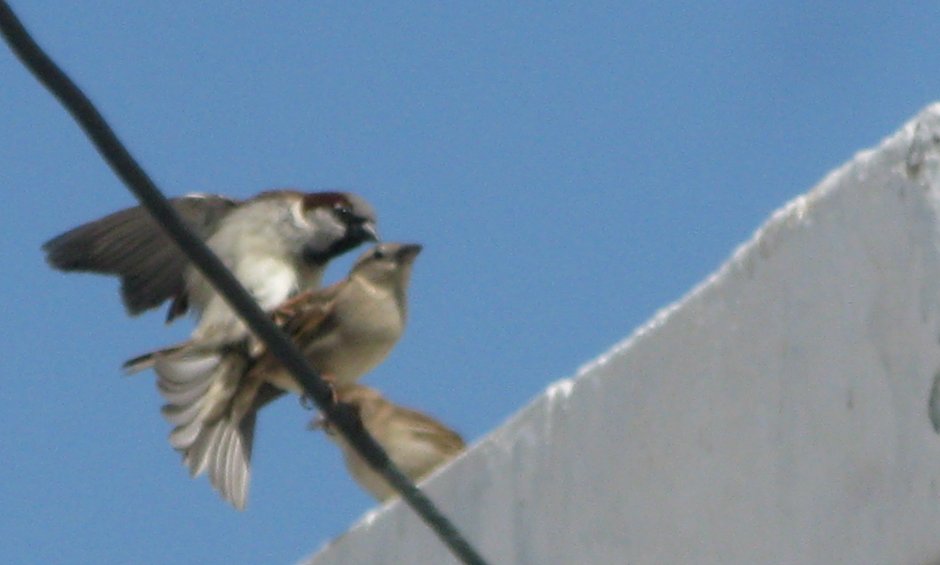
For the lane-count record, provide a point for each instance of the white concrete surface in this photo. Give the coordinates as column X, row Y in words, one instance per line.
column 780, row 413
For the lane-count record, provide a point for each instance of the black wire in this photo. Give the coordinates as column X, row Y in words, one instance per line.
column 139, row 183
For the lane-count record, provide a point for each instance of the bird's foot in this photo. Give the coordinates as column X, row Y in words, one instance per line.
column 308, row 403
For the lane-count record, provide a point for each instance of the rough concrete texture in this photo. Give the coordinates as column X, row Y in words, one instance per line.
column 780, row 413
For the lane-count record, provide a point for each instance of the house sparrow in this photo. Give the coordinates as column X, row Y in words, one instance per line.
column 416, row 443
column 213, row 395
column 275, row 244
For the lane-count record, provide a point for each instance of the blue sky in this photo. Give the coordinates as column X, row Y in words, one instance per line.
column 569, row 167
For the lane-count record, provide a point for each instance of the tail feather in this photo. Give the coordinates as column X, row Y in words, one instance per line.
column 232, row 470
column 183, row 394
column 184, row 436
column 198, row 389
column 212, row 406
column 180, row 414
column 210, row 430
column 148, row 360
column 223, row 449
column 197, row 453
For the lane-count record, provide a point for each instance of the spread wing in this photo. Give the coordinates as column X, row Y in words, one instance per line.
column 130, row 245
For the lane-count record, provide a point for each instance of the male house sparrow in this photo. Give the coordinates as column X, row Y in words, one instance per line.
column 416, row 443
column 275, row 244
column 213, row 395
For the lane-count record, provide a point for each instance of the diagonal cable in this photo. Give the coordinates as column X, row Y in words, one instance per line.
column 140, row 184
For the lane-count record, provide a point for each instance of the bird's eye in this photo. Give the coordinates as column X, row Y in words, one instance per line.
column 378, row 253
column 344, row 212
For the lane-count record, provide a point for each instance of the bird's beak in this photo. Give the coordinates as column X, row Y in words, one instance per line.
column 408, row 251
column 356, row 234
column 366, row 231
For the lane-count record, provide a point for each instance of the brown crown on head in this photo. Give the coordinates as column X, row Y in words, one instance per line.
column 326, row 200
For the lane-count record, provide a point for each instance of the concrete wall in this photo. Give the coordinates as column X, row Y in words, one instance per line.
column 780, row 413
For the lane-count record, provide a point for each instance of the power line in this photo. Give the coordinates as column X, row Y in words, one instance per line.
column 139, row 183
